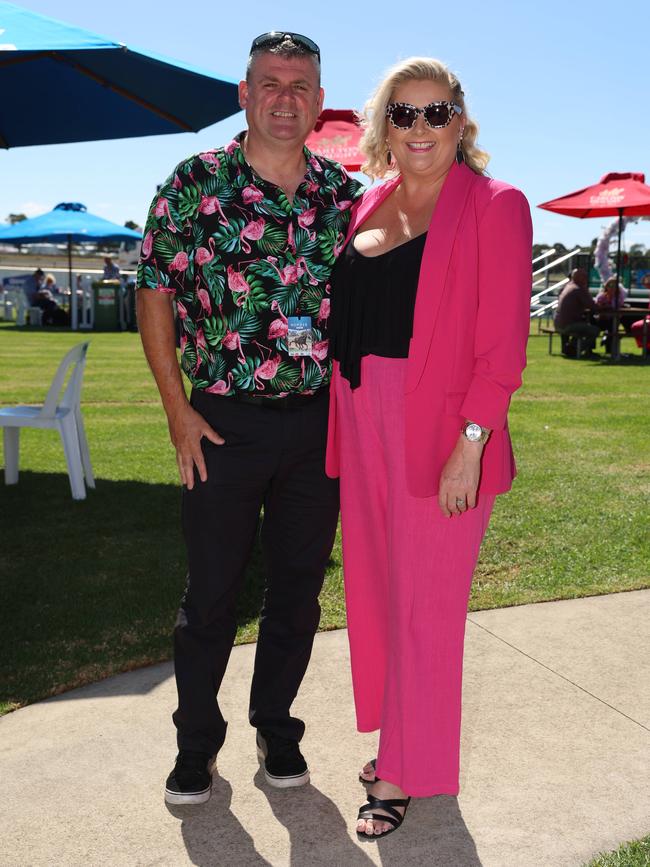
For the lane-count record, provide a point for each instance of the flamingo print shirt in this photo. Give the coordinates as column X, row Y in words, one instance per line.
column 239, row 259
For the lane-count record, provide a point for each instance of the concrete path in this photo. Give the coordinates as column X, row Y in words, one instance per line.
column 555, row 760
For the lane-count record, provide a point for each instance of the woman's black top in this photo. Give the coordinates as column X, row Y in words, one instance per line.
column 373, row 299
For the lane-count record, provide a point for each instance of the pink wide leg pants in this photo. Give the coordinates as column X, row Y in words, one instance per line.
column 408, row 572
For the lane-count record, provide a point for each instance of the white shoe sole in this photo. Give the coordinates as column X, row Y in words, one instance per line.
column 180, row 798
column 190, row 798
column 282, row 782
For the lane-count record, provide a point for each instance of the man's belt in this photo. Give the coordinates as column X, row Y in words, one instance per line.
column 289, row 401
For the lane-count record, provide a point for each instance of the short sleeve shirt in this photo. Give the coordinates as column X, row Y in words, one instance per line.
column 240, row 259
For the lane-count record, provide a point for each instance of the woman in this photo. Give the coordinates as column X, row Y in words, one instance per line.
column 612, row 296
column 430, row 315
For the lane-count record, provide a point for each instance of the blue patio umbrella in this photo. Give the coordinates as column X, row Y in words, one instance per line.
column 60, row 83
column 68, row 223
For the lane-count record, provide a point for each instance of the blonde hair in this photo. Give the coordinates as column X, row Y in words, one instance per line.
column 374, row 121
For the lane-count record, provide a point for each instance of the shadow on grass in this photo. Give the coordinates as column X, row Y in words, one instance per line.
column 91, row 588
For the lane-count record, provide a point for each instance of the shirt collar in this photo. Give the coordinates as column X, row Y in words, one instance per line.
column 236, row 151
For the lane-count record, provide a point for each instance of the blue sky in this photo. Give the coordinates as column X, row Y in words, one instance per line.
column 561, row 91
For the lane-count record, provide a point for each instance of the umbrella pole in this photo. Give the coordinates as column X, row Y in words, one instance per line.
column 74, row 318
column 618, row 252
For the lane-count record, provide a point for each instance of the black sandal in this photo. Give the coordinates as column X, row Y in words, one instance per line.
column 392, row 816
column 372, row 762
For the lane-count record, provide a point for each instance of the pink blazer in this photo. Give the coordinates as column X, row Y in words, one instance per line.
column 470, row 329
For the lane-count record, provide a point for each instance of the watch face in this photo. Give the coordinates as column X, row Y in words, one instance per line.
column 473, row 432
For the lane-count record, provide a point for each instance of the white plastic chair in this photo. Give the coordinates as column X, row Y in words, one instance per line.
column 64, row 415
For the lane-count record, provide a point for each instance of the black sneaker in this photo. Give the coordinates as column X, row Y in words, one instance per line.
column 284, row 765
column 191, row 780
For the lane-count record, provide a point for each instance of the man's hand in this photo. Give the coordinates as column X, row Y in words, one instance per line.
column 186, row 429
column 186, row 426
column 460, row 477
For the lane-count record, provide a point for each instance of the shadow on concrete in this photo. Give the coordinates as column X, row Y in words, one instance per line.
column 211, row 833
column 434, row 833
column 318, row 831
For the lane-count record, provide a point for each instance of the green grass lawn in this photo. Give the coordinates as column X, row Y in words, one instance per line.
column 635, row 854
column 91, row 588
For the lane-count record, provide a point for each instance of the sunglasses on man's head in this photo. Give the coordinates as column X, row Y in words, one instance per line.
column 437, row 115
column 277, row 37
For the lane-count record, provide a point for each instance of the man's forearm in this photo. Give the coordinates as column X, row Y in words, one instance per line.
column 156, row 325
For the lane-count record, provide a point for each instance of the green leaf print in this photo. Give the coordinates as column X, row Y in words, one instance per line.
column 286, row 377
column 169, row 193
column 189, row 327
column 333, row 217
column 188, row 202
column 310, row 299
column 227, row 238
column 267, row 208
column 147, row 276
column 217, row 368
column 327, row 240
column 284, row 202
column 166, row 245
column 188, row 276
column 242, row 374
column 188, row 297
column 217, row 185
column 186, row 167
column 245, row 323
column 214, row 329
column 332, row 178
column 215, row 280
column 256, row 299
column 188, row 359
column 198, row 234
column 305, row 246
column 265, row 270
column 273, row 241
column 319, row 272
column 313, row 376
column 287, row 297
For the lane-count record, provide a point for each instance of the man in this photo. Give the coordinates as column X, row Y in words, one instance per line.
column 243, row 239
column 34, row 286
column 574, row 305
column 111, row 270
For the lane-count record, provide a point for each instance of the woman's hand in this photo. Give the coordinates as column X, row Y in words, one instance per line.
column 460, row 477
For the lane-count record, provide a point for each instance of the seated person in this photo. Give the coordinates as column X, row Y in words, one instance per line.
column 50, row 284
column 607, row 294
column 636, row 330
column 571, row 316
column 52, row 313
column 612, row 295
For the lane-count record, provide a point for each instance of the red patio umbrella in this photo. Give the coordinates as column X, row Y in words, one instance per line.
column 618, row 194
column 336, row 136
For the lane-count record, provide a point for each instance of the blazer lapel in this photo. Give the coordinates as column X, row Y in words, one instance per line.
column 435, row 264
column 369, row 202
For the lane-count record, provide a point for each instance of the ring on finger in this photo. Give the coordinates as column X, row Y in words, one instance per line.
column 460, row 502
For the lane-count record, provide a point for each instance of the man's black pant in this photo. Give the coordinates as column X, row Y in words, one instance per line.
column 273, row 458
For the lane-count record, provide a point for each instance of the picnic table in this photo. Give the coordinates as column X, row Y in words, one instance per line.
column 615, row 314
